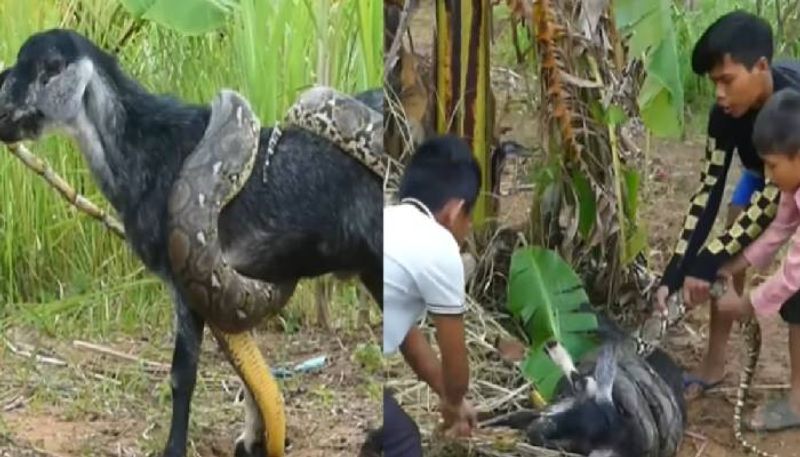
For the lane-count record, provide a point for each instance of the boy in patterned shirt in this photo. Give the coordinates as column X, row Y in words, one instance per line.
column 736, row 54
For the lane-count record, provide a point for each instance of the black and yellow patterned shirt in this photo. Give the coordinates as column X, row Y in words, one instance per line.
column 726, row 134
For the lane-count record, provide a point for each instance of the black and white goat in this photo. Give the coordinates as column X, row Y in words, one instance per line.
column 319, row 211
column 616, row 403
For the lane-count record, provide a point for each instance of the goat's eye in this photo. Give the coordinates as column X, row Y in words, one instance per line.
column 52, row 67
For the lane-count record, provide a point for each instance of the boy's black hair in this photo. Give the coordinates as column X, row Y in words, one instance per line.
column 745, row 36
column 442, row 168
column 777, row 126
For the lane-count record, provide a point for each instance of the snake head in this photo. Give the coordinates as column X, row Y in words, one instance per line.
column 718, row 288
column 46, row 85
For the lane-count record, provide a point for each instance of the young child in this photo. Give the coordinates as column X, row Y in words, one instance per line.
column 735, row 52
column 777, row 137
column 423, row 272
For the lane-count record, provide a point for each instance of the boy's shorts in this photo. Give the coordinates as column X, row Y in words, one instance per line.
column 790, row 311
column 401, row 436
column 748, row 184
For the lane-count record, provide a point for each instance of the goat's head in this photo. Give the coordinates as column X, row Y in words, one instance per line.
column 587, row 421
column 46, row 85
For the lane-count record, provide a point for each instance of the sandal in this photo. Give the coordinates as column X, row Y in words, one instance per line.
column 692, row 380
column 775, row 415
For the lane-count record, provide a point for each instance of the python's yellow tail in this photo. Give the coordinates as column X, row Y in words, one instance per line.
column 246, row 358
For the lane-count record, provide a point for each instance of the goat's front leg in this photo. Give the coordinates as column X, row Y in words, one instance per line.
column 188, row 338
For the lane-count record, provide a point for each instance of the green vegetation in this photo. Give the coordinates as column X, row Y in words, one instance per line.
column 63, row 272
column 546, row 295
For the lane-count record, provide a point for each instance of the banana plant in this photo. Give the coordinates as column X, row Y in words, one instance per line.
column 650, row 35
column 548, row 298
column 463, row 95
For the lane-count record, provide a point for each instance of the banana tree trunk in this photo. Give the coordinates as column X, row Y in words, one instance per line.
column 463, row 95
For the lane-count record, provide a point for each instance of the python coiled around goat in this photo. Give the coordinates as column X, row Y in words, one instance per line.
column 216, row 171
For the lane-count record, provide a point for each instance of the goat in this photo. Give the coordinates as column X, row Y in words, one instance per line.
column 616, row 404
column 319, row 211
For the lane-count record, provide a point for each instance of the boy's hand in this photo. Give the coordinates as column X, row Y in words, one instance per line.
column 732, row 305
column 459, row 420
column 695, row 291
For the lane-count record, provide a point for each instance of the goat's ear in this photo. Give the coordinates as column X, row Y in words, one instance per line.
column 605, row 371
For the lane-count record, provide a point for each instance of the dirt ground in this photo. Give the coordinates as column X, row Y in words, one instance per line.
column 95, row 404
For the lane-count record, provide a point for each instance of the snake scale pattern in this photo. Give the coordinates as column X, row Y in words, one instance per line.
column 218, row 168
column 653, row 330
column 213, row 173
column 752, row 334
column 343, row 121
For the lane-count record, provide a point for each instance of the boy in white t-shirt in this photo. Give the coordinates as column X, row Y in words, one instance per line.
column 423, row 273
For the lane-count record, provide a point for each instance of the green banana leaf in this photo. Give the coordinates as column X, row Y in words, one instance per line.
column 650, row 33
column 546, row 295
column 587, row 204
column 190, row 17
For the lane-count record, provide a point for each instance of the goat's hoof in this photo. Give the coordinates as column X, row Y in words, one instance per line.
column 256, row 449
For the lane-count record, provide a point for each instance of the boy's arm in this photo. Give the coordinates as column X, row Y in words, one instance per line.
column 701, row 215
column 441, row 284
column 747, row 228
column 423, row 361
column 760, row 252
column 455, row 363
column 781, row 286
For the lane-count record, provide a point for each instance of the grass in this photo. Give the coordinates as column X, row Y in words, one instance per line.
column 64, row 277
column 62, row 272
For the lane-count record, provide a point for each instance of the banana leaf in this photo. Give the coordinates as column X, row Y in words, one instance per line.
column 548, row 297
column 190, row 17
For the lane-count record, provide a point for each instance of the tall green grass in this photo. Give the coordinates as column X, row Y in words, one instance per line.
column 63, row 272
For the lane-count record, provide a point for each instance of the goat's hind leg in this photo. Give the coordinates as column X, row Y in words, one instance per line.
column 250, row 443
column 373, row 281
column 188, row 338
